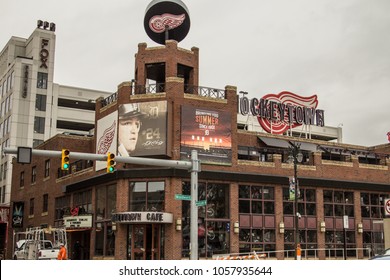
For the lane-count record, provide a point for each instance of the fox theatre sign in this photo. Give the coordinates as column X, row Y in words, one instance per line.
column 276, row 113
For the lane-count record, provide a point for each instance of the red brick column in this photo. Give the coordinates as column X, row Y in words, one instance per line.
column 122, row 205
column 234, row 217
column 278, row 219
column 320, row 218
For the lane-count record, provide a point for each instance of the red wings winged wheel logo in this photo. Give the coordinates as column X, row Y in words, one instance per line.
column 282, row 124
column 159, row 23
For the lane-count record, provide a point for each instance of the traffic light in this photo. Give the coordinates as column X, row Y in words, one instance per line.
column 65, row 159
column 110, row 162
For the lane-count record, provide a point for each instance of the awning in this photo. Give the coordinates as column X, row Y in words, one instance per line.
column 307, row 146
column 273, row 142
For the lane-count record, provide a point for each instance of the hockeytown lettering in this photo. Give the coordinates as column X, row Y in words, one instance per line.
column 282, row 114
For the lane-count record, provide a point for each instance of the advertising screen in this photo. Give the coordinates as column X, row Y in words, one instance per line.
column 207, row 131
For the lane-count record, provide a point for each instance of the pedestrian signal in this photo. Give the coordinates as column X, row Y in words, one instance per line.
column 65, row 159
column 110, row 162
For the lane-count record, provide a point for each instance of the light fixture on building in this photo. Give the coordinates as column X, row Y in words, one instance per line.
column 360, row 228
column 113, row 226
column 322, row 226
column 236, row 228
column 281, row 227
column 178, row 224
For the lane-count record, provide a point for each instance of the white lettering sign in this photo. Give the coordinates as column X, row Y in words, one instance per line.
column 78, row 221
column 142, row 217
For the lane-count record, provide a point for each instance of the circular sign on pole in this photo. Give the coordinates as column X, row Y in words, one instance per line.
column 167, row 20
column 387, row 207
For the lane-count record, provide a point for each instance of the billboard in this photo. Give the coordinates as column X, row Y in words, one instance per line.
column 106, row 137
column 209, row 132
column 143, row 129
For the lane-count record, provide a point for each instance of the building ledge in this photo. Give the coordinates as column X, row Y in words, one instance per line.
column 337, row 163
column 374, row 166
column 256, row 163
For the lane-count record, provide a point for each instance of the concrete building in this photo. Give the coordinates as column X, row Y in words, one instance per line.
column 33, row 107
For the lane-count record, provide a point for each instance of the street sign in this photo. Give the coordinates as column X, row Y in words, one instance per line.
column 182, row 197
column 201, row 203
column 387, row 207
column 346, row 222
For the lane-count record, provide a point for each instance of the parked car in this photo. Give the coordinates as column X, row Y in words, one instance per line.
column 381, row 258
column 387, row 252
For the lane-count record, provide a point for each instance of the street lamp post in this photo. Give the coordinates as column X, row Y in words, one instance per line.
column 295, row 156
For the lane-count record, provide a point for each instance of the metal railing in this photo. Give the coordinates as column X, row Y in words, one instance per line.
column 110, row 99
column 160, row 87
column 329, row 254
column 150, row 89
column 205, row 91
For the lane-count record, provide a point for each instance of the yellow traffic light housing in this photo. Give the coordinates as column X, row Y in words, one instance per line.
column 65, row 159
column 110, row 162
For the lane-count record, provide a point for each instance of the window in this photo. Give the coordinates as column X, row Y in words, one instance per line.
column 40, row 102
column 45, row 205
column 105, row 202
column 338, row 203
column 105, row 235
column 47, row 168
column 33, row 174
column 214, row 224
column 39, row 125
column 42, row 80
column 83, row 200
column 257, row 206
column 37, row 142
column 21, row 179
column 5, row 171
column 372, row 205
column 106, row 205
column 31, row 210
column 2, row 194
column 256, row 200
column 62, row 207
column 147, row 196
column 306, row 204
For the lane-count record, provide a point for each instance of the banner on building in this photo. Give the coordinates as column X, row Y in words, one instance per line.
column 207, row 131
column 4, row 214
column 292, row 189
column 17, row 214
column 143, row 129
column 106, row 137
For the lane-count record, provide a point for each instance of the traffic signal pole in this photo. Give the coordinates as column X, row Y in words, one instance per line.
column 192, row 166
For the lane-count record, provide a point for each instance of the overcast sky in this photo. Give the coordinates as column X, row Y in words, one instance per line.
column 339, row 50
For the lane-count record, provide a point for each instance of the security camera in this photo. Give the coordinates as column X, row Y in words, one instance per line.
column 299, row 215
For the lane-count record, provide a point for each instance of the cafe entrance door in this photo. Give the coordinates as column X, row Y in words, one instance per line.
column 145, row 242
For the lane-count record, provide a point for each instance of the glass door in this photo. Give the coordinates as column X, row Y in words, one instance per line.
column 145, row 242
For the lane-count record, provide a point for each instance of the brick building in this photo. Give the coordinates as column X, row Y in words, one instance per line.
column 135, row 213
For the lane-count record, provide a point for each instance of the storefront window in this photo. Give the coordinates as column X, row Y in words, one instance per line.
column 105, row 206
column 83, row 200
column 105, row 239
column 257, row 204
column 338, row 203
column 214, row 225
column 147, row 196
column 253, row 199
column 105, row 202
